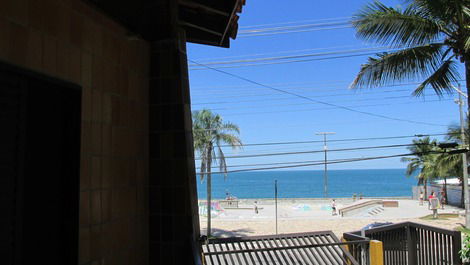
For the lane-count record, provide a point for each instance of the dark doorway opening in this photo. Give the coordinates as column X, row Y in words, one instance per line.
column 39, row 168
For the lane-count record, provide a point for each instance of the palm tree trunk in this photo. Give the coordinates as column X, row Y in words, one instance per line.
column 209, row 191
column 462, row 195
column 445, row 189
column 425, row 182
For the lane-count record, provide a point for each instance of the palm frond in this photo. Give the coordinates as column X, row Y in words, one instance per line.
column 209, row 131
column 466, row 41
column 222, row 162
column 438, row 10
column 203, row 169
column 406, row 64
column 396, row 27
column 441, row 80
column 231, row 140
column 228, row 126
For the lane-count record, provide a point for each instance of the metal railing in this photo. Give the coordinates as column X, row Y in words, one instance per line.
column 413, row 244
column 301, row 248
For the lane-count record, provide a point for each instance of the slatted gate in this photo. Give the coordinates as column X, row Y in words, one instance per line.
column 322, row 248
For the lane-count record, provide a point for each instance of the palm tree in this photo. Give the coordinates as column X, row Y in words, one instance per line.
column 209, row 133
column 423, row 161
column 454, row 162
column 451, row 165
column 431, row 36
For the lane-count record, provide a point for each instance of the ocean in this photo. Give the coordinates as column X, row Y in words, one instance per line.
column 309, row 184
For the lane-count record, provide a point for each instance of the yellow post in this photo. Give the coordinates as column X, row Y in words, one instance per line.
column 376, row 252
column 346, row 247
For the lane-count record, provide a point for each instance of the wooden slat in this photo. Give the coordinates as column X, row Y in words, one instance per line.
column 320, row 248
column 313, row 252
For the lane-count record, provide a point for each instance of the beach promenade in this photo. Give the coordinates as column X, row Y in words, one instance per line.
column 306, row 215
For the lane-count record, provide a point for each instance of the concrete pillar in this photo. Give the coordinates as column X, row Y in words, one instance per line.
column 172, row 183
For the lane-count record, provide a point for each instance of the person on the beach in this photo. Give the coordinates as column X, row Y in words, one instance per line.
column 421, row 198
column 443, row 198
column 255, row 206
column 431, row 196
column 333, row 207
column 433, row 204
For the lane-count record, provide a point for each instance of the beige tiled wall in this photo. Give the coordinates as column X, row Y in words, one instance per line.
column 69, row 40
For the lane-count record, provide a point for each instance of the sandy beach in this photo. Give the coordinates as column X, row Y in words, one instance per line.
column 315, row 215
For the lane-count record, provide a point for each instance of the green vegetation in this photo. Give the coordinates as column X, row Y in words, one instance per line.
column 209, row 133
column 431, row 36
column 443, row 216
column 423, row 161
column 465, row 251
column 433, row 162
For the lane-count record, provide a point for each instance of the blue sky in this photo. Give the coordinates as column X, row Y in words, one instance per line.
column 264, row 115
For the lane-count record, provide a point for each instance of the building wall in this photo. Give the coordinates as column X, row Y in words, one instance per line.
column 69, row 40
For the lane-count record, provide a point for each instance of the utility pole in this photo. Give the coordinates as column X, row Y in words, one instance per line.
column 275, row 200
column 464, row 162
column 325, row 174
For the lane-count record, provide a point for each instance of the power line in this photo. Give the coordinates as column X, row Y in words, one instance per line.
column 292, row 27
column 315, row 96
column 316, row 101
column 311, row 164
column 283, row 85
column 294, row 31
column 254, row 55
column 291, row 61
column 294, row 22
column 316, row 151
column 342, row 140
column 324, row 108
column 270, row 164
column 295, row 56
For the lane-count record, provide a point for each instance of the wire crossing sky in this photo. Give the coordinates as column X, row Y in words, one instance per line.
column 287, row 77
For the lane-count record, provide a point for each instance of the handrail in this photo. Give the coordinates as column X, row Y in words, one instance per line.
column 413, row 243
column 403, row 225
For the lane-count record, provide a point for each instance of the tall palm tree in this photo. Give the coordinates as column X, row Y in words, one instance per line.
column 209, row 133
column 451, row 165
column 431, row 36
column 423, row 161
column 454, row 162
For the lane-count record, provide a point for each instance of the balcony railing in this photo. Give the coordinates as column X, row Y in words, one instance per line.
column 291, row 249
column 412, row 244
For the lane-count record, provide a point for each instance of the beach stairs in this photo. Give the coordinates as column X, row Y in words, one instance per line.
column 374, row 211
column 361, row 207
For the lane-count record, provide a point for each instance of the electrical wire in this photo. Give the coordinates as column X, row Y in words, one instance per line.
column 380, row 48
column 293, row 27
column 317, row 101
column 316, row 151
column 294, row 31
column 254, row 55
column 341, row 140
column 328, row 108
column 287, row 62
column 310, row 164
column 289, row 85
column 295, row 22
column 309, row 93
column 316, row 96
